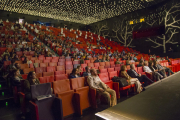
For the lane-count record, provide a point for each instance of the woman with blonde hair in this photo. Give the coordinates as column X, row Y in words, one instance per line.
column 124, row 74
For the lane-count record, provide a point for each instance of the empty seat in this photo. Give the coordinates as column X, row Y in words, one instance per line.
column 60, row 68
column 112, row 74
column 96, row 65
column 110, row 69
column 102, row 63
column 83, row 65
column 107, row 65
column 78, row 84
column 69, row 67
column 23, row 66
column 59, row 72
column 61, row 77
column 34, row 58
column 101, row 67
column 46, row 79
column 51, row 69
column 62, row 60
column 40, row 69
column 61, row 63
column 68, row 62
column 38, row 61
column 68, row 72
column 87, row 61
column 43, row 65
column 54, row 60
column 24, row 76
column 52, row 64
column 27, row 70
column 48, row 74
column 38, row 75
column 46, row 61
column 103, row 70
column 49, row 58
column 62, row 90
column 90, row 64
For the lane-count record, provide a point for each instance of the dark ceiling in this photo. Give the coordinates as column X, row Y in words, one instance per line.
column 79, row 11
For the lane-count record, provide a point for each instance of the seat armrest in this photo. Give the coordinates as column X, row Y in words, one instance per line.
column 34, row 111
column 93, row 97
column 116, row 88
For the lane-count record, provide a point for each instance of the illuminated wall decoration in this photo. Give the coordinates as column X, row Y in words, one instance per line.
column 78, row 11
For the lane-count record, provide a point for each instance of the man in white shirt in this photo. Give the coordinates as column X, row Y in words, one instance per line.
column 95, row 82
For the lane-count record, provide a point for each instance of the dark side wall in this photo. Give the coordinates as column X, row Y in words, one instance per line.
column 163, row 14
column 12, row 16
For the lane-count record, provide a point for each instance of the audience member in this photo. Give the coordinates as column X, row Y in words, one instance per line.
column 142, row 78
column 124, row 74
column 95, row 82
column 87, row 72
column 74, row 74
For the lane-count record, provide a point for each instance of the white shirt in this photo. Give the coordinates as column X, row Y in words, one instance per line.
column 95, row 82
column 147, row 69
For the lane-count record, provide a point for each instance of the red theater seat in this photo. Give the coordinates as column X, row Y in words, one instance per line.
column 48, row 74
column 51, row 69
column 61, row 77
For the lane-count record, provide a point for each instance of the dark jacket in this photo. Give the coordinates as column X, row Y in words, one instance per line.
column 132, row 74
column 72, row 76
column 97, row 60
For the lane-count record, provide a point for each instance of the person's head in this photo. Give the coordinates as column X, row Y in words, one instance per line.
column 79, row 67
column 146, row 63
column 31, row 75
column 15, row 72
column 74, row 71
column 17, row 66
column 151, row 63
column 118, row 59
column 93, row 72
column 123, row 68
column 132, row 66
column 127, row 62
column 87, row 69
column 6, row 50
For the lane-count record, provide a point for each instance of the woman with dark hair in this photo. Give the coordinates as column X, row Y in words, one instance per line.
column 74, row 73
column 124, row 74
column 31, row 80
column 16, row 80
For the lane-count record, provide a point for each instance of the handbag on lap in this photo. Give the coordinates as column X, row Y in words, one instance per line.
column 122, row 81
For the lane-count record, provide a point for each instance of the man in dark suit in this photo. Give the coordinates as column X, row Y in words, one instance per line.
column 142, row 78
column 97, row 60
column 87, row 73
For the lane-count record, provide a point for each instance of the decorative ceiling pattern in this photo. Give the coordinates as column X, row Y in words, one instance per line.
column 78, row 11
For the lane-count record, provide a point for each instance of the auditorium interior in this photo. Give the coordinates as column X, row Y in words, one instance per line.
column 89, row 59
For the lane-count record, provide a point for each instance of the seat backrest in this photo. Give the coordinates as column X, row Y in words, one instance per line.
column 68, row 62
column 140, row 69
column 112, row 74
column 38, row 75
column 52, row 64
column 110, row 69
column 38, row 61
column 54, row 60
column 23, row 66
column 46, row 79
column 68, row 72
column 43, row 64
column 102, row 63
column 61, row 77
column 75, row 65
column 76, row 62
column 51, row 69
column 77, row 82
column 40, row 89
column 83, row 65
column 48, row 58
column 96, row 64
column 111, row 62
column 117, row 69
column 62, row 60
column 60, row 68
column 48, row 74
column 27, row 70
column 61, row 86
column 101, row 67
column 34, row 58
column 87, row 61
column 59, row 72
column 69, row 67
column 107, row 63
column 24, row 76
column 46, row 61
column 90, row 64
column 40, row 69
column 104, row 77
column 103, row 70
column 61, row 63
